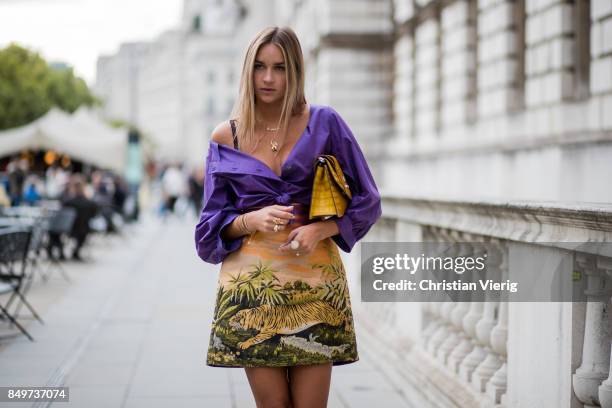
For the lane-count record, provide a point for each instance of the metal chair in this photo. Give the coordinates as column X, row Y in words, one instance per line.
column 14, row 248
column 39, row 228
column 60, row 225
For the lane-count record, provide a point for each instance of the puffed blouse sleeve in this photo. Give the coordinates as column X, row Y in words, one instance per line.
column 218, row 211
column 365, row 207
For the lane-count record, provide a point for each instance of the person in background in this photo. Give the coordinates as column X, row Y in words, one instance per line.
column 196, row 189
column 5, row 201
column 120, row 195
column 32, row 190
column 56, row 180
column 17, row 172
column 85, row 208
column 103, row 191
column 173, row 186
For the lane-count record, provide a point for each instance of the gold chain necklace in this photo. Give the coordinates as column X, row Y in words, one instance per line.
column 274, row 146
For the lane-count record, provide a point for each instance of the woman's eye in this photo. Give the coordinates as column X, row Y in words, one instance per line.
column 280, row 68
column 258, row 66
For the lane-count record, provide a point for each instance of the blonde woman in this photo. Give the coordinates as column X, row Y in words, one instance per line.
column 283, row 310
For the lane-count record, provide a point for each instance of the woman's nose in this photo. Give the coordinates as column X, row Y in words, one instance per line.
column 268, row 75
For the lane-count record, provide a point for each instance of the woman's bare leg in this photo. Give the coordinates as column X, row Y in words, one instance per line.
column 270, row 387
column 309, row 385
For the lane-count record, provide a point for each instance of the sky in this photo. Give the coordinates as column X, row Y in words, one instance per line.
column 78, row 31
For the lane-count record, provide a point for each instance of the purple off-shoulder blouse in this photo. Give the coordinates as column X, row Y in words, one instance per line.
column 236, row 181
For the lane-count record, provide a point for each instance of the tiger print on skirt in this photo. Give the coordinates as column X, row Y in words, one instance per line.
column 276, row 309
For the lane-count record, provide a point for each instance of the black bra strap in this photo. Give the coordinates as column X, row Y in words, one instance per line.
column 234, row 135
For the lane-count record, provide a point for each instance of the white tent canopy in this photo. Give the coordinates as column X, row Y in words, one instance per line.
column 82, row 136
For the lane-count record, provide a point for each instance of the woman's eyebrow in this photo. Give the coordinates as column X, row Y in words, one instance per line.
column 276, row 63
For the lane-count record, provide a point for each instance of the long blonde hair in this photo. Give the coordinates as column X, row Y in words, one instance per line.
column 294, row 99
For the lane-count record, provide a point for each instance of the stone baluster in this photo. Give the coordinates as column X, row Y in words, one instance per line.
column 491, row 363
column 605, row 389
column 433, row 318
column 478, row 353
column 496, row 387
column 465, row 345
column 452, row 338
column 430, row 310
column 441, row 332
column 596, row 347
column 474, row 315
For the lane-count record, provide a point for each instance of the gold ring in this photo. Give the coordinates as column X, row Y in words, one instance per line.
column 275, row 227
column 278, row 221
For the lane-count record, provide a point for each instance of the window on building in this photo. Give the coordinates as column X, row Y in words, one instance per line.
column 196, row 23
column 439, row 55
column 472, row 86
column 519, row 18
column 582, row 48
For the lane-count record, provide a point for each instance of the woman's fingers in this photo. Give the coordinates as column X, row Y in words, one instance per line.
column 284, row 209
column 282, row 214
column 280, row 218
column 278, row 214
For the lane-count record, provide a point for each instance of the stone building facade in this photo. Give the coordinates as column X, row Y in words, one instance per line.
column 179, row 86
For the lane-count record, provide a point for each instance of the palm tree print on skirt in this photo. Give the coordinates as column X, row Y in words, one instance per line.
column 275, row 309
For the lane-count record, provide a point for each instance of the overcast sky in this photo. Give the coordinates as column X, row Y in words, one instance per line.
column 78, row 31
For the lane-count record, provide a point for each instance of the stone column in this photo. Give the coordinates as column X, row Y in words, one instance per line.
column 596, row 348
column 605, row 389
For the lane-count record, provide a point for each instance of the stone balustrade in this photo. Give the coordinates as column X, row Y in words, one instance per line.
column 492, row 353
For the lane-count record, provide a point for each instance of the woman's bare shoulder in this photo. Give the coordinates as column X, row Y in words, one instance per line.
column 222, row 134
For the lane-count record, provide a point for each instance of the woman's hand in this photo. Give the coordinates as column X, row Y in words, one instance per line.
column 266, row 218
column 308, row 236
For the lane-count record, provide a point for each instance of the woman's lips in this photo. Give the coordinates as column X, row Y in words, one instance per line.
column 267, row 90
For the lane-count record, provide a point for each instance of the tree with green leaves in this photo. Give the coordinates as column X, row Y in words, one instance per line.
column 29, row 87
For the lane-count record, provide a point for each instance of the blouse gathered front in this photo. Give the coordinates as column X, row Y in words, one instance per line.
column 235, row 182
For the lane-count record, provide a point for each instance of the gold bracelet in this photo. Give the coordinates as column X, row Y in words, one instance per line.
column 239, row 223
column 245, row 227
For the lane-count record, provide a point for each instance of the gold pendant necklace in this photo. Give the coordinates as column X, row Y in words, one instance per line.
column 274, row 145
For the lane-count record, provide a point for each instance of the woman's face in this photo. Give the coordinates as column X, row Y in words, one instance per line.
column 269, row 74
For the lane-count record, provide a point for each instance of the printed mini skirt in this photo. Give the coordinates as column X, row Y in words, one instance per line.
column 278, row 309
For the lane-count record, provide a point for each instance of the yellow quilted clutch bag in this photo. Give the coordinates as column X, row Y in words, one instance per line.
column 330, row 191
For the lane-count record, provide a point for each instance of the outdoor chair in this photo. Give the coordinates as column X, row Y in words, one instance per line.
column 14, row 248
column 59, row 225
column 38, row 228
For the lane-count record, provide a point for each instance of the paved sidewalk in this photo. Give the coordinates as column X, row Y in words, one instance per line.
column 131, row 330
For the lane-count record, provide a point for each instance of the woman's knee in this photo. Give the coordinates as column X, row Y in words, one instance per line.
column 270, row 387
column 274, row 402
